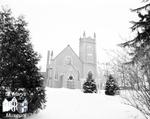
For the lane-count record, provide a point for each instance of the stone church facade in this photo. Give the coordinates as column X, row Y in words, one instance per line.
column 67, row 69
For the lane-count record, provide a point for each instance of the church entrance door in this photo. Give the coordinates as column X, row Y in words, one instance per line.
column 70, row 82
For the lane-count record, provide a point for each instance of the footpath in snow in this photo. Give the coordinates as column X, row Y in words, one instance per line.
column 73, row 104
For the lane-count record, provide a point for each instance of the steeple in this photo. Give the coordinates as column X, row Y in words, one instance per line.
column 51, row 55
column 94, row 35
column 84, row 34
column 47, row 68
column 48, row 59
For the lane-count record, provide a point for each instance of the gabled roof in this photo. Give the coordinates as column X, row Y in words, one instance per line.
column 68, row 46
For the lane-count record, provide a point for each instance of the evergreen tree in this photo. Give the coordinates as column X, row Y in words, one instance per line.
column 139, row 46
column 139, row 50
column 111, row 86
column 18, row 62
column 89, row 86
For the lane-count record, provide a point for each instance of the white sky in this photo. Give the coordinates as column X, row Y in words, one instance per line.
column 54, row 24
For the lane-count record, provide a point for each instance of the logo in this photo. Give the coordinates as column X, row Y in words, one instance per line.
column 14, row 105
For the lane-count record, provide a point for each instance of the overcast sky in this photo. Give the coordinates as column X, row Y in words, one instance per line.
column 54, row 24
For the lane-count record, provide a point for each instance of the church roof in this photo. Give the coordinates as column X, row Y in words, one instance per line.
column 68, row 47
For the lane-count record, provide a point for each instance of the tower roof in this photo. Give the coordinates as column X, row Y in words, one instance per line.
column 89, row 38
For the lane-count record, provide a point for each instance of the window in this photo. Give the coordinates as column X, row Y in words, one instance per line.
column 68, row 60
column 50, row 73
column 89, row 48
column 89, row 53
column 56, row 75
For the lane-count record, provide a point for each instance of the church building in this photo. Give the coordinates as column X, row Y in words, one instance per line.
column 68, row 69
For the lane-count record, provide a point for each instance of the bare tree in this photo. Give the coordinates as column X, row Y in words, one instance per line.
column 133, row 81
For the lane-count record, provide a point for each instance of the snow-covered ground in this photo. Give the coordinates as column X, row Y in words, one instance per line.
column 73, row 104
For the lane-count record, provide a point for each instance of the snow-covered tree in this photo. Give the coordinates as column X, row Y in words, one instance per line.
column 139, row 46
column 111, row 86
column 89, row 85
column 139, row 50
column 18, row 62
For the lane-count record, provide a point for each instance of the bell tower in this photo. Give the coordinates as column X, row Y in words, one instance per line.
column 87, row 54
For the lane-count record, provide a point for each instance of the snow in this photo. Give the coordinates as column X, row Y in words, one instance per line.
column 73, row 104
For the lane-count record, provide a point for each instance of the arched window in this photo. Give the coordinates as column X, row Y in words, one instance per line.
column 68, row 60
column 56, row 75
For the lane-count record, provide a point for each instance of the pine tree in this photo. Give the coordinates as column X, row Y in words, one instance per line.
column 89, row 86
column 111, row 86
column 139, row 50
column 18, row 61
column 139, row 46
